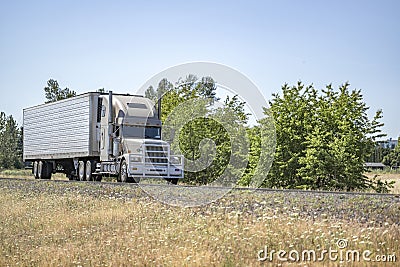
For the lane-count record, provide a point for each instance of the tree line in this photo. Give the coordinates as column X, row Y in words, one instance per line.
column 392, row 158
column 10, row 143
column 323, row 136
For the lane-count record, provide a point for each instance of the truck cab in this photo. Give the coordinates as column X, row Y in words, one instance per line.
column 130, row 141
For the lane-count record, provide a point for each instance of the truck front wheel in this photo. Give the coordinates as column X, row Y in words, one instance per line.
column 123, row 172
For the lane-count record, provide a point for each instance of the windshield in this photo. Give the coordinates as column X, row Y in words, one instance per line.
column 141, row 132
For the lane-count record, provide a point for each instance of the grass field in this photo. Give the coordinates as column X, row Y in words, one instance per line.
column 45, row 223
column 27, row 173
column 16, row 173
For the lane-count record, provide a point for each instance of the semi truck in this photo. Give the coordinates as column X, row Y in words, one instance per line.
column 99, row 134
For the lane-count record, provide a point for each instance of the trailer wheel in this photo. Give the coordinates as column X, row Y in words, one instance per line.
column 81, row 171
column 47, row 170
column 90, row 167
column 123, row 173
column 35, row 170
column 44, row 170
column 39, row 169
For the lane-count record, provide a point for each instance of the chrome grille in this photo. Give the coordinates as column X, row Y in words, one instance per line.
column 156, row 154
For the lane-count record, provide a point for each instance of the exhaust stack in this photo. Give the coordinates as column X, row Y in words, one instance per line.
column 110, row 123
column 159, row 104
column 110, row 107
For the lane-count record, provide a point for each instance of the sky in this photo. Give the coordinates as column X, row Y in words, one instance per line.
column 118, row 45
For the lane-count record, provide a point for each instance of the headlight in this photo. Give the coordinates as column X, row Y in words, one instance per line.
column 175, row 160
column 134, row 158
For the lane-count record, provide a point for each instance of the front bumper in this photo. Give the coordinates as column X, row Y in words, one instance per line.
column 140, row 167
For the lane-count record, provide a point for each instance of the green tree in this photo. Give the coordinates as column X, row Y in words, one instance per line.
column 323, row 138
column 254, row 134
column 53, row 92
column 10, row 143
column 20, row 147
column 196, row 133
column 3, row 152
column 378, row 153
column 262, row 139
column 392, row 159
column 151, row 93
column 294, row 119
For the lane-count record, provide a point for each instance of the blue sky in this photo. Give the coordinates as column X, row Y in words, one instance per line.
column 118, row 45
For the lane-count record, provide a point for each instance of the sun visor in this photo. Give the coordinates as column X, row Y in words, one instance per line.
column 139, row 110
column 142, row 121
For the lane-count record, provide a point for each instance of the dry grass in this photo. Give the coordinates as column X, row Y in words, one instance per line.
column 90, row 224
column 388, row 177
column 16, row 173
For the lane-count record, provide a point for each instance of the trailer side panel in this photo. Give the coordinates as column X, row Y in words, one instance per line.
column 62, row 129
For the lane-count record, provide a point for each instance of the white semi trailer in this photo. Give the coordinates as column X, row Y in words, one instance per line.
column 96, row 134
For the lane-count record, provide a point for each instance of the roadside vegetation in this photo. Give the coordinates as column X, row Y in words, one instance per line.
column 392, row 158
column 323, row 136
column 10, row 143
column 47, row 223
column 27, row 173
column 390, row 177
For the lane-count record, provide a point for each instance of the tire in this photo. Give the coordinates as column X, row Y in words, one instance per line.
column 44, row 170
column 90, row 167
column 123, row 172
column 47, row 170
column 35, row 170
column 81, row 171
column 39, row 169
